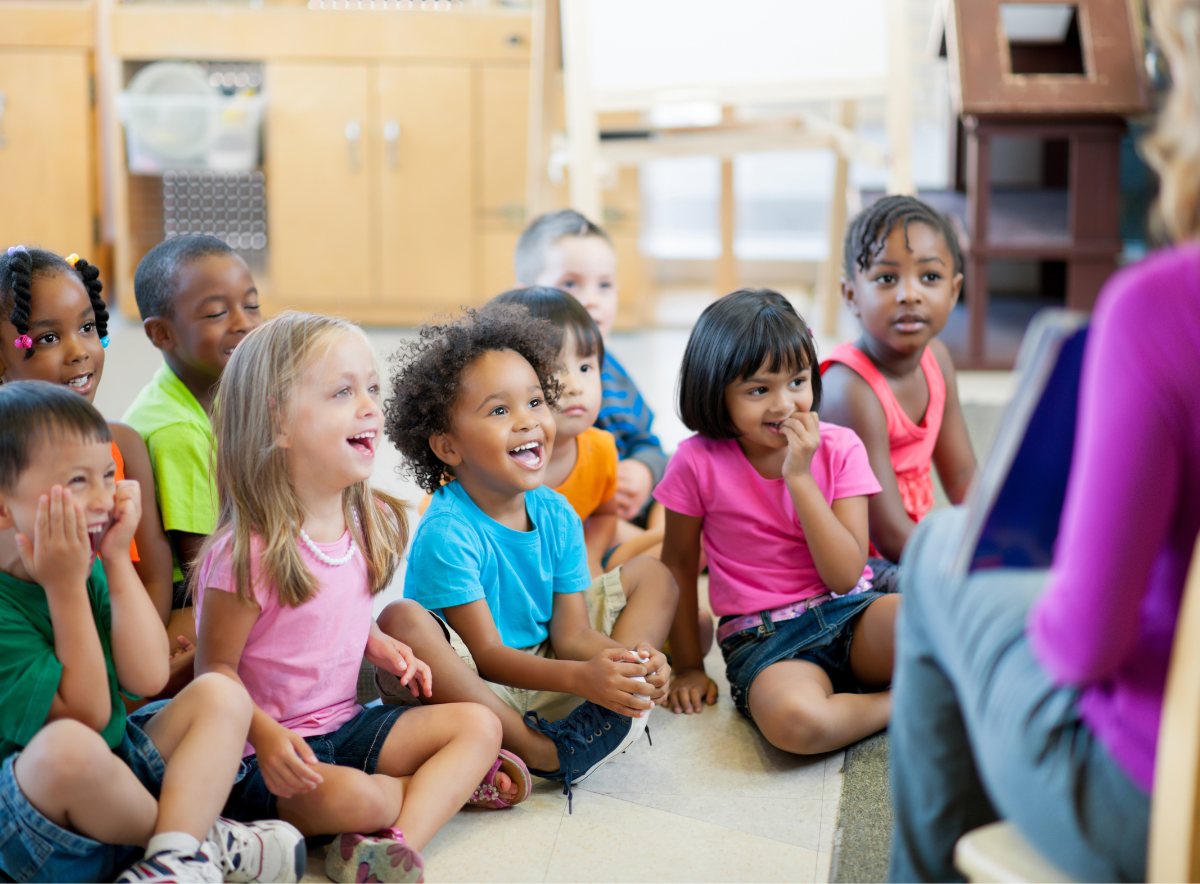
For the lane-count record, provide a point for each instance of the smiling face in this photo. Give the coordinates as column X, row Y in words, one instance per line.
column 759, row 403
column 905, row 297
column 502, row 430
column 334, row 420
column 66, row 345
column 586, row 267
column 579, row 402
column 84, row 467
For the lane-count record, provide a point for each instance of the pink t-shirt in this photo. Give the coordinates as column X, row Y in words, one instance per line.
column 758, row 558
column 300, row 665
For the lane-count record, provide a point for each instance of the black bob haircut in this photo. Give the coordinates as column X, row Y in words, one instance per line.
column 564, row 312
column 871, row 227
column 154, row 280
column 32, row 412
column 734, row 337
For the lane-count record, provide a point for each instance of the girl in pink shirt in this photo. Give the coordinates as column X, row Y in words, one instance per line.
column 780, row 500
column 283, row 605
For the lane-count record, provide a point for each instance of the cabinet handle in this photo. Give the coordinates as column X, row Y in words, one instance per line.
column 353, row 138
column 3, row 105
column 391, row 138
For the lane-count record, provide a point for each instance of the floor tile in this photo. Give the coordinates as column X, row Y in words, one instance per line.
column 611, row 840
column 790, row 820
column 824, row 867
column 829, row 822
column 834, row 764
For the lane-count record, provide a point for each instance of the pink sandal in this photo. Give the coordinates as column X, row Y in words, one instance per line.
column 487, row 795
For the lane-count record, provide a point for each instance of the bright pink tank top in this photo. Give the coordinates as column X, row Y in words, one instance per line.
column 911, row 445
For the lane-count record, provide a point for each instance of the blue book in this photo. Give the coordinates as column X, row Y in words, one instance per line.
column 1014, row 508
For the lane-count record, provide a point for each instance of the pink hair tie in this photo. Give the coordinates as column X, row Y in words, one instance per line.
column 24, row 342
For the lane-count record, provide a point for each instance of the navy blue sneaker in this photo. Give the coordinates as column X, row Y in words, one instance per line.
column 585, row 739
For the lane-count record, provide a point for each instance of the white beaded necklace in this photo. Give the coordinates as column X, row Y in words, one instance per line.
column 325, row 557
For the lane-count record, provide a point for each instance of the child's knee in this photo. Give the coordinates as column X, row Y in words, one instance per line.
column 405, row 619
column 215, row 695
column 63, row 754
column 482, row 723
column 646, row 573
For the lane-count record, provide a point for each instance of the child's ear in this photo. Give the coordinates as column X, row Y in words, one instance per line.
column 160, row 332
column 849, row 296
column 444, row 449
column 956, row 284
column 6, row 519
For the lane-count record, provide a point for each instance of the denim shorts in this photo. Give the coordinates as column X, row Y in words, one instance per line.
column 34, row 849
column 820, row 635
column 356, row 744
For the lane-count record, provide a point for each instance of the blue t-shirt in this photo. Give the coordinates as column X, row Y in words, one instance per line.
column 460, row 555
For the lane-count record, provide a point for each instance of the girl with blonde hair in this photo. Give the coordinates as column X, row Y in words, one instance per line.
column 284, row 606
column 1036, row 695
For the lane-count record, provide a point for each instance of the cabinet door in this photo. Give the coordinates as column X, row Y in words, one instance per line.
column 426, row 179
column 318, row 171
column 505, row 112
column 46, row 148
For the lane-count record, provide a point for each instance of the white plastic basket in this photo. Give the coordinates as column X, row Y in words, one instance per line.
column 164, row 131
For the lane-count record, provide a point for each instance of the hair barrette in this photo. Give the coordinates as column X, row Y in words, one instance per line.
column 24, row 342
column 72, row 259
column 104, row 342
column 12, row 250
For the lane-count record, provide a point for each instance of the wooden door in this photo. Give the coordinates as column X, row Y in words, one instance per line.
column 46, row 151
column 318, row 186
column 426, row 244
column 502, row 211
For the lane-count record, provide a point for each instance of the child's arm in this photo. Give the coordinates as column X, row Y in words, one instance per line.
column 953, row 455
column 681, row 555
column 837, row 534
column 284, row 758
column 599, row 529
column 850, row 402
column 586, row 665
column 155, row 567
column 140, row 648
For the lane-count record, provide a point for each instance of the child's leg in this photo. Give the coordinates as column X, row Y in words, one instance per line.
column 74, row 780
column 200, row 734
column 872, row 647
column 651, row 596
column 455, row 681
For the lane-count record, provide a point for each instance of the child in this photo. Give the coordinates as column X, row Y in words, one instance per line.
column 283, row 603
column 565, row 250
column 197, row 301
column 54, row 327
column 518, row 624
column 583, row 462
column 895, row 386
column 781, row 501
column 83, row 789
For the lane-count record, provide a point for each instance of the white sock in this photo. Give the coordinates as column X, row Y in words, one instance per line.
column 181, row 842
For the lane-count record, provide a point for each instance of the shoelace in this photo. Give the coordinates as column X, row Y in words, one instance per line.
column 236, row 844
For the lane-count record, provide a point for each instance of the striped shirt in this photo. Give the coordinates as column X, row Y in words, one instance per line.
column 625, row 414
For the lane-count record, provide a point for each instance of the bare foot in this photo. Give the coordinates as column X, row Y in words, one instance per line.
column 505, row 786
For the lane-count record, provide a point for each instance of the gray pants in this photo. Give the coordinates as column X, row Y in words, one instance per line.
column 979, row 732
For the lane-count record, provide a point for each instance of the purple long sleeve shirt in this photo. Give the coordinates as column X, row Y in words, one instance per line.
column 1107, row 618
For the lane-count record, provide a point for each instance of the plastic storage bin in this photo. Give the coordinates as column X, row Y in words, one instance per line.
column 188, row 131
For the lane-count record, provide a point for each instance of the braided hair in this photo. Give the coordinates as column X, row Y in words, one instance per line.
column 18, row 269
column 870, row 229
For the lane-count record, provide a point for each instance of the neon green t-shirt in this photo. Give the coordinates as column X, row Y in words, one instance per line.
column 30, row 671
column 179, row 437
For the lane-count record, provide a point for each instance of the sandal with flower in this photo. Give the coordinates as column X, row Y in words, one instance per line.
column 487, row 795
column 382, row 856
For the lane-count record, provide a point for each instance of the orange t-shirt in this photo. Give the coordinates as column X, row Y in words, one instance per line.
column 133, row 553
column 592, row 480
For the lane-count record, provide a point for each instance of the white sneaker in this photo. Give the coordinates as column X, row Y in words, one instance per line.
column 172, row 865
column 267, row 851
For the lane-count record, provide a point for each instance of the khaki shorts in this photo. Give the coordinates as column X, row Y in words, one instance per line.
column 605, row 600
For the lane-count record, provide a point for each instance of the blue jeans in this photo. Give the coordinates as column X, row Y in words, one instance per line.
column 355, row 744
column 32, row 848
column 979, row 732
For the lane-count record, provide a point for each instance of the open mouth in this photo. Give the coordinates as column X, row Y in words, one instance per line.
column 775, row 427
column 363, row 443
column 95, row 535
column 528, row 455
column 80, row 383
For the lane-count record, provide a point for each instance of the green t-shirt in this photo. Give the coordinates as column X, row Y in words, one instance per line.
column 29, row 670
column 179, row 437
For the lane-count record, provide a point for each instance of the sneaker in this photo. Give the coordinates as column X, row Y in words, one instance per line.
column 268, row 850
column 586, row 739
column 173, row 865
column 381, row 856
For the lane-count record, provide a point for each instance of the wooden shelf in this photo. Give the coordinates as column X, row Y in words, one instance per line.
column 49, row 24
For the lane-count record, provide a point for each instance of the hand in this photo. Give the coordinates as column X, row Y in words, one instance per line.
column 286, row 762
column 634, row 484
column 127, row 512
column 185, row 647
column 660, row 671
column 607, row 680
column 397, row 658
column 687, row 688
column 803, row 432
column 59, row 557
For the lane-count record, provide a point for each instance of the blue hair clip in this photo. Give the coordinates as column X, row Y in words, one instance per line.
column 14, row 249
column 104, row 342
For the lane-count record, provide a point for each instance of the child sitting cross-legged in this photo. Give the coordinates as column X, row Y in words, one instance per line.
column 85, row 790
column 518, row 624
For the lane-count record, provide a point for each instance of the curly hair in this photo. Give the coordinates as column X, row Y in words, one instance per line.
column 19, row 267
column 429, row 373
